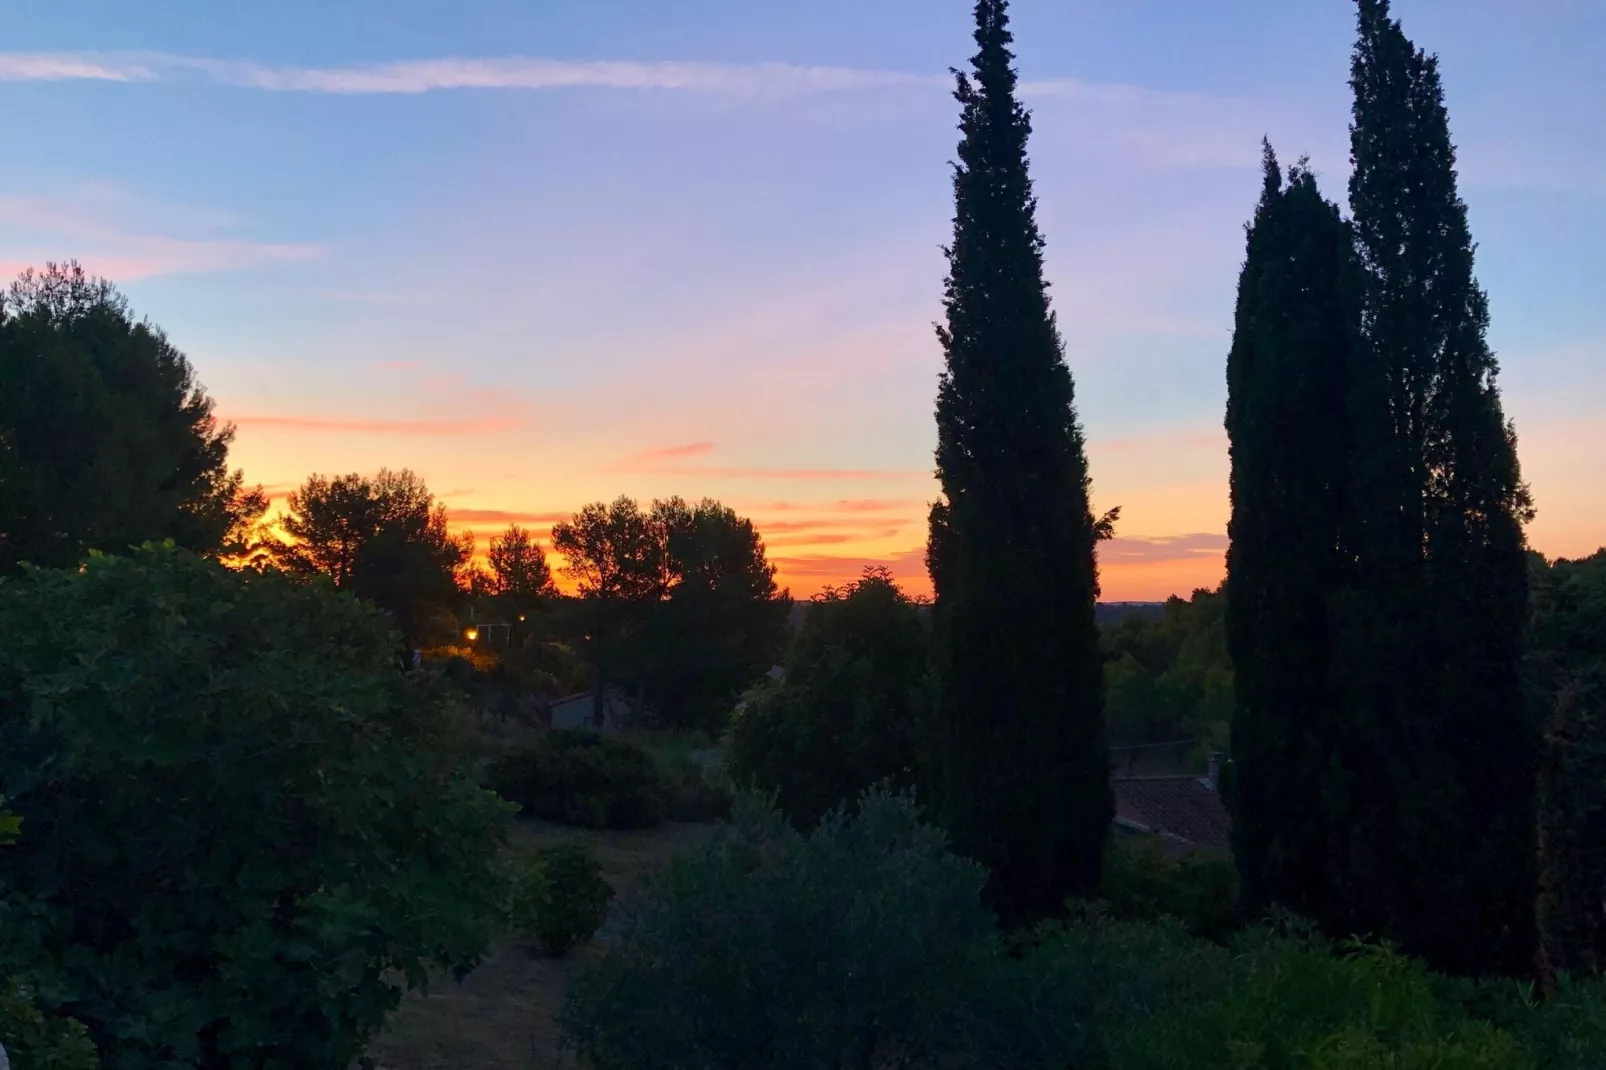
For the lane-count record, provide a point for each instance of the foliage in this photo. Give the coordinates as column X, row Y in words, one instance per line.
column 245, row 827
column 723, row 622
column 582, row 778
column 1170, row 679
column 1199, row 889
column 32, row 1041
column 773, row 949
column 851, row 710
column 106, row 439
column 384, row 538
column 680, row 602
column 1293, row 1004
column 1062, row 993
column 518, row 566
column 1566, row 678
column 1434, row 845
column 1572, row 828
column 1019, row 676
column 1290, row 425
column 696, row 787
column 560, row 899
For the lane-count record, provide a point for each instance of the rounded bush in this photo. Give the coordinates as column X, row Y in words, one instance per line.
column 582, row 778
column 567, row 898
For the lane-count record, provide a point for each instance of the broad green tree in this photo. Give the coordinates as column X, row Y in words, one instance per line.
column 852, row 709
column 107, row 441
column 1438, row 849
column 1290, row 429
column 680, row 603
column 245, row 831
column 1021, row 707
column 384, row 538
column 518, row 565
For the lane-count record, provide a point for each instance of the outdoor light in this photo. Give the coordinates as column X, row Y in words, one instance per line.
column 472, row 634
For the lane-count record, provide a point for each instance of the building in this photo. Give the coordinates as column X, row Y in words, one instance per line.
column 1186, row 812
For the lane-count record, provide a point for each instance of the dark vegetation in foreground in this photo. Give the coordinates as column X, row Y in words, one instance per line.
column 240, row 823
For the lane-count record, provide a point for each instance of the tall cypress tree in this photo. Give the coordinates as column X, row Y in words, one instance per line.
column 1289, row 425
column 1021, row 721
column 1440, row 836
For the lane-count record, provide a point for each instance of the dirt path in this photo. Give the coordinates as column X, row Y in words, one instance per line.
column 500, row 1017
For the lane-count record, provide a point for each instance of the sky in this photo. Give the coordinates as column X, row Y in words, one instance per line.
column 549, row 253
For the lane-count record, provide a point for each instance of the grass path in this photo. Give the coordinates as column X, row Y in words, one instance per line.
column 500, row 1017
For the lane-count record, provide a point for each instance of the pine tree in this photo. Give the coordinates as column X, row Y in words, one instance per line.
column 1021, row 723
column 1289, row 427
column 1440, row 834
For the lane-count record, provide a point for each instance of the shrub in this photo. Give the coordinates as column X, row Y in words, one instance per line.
column 34, row 1042
column 582, row 778
column 1298, row 1004
column 696, row 787
column 852, row 709
column 567, row 899
column 244, row 827
column 769, row 948
column 1199, row 889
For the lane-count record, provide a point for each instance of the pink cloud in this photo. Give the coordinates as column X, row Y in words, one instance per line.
column 377, row 427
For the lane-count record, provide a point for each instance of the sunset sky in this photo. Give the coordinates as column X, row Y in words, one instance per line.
column 544, row 253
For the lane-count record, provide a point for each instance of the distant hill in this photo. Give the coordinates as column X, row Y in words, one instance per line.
column 1105, row 613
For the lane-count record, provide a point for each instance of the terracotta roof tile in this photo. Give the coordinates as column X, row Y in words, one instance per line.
column 1182, row 807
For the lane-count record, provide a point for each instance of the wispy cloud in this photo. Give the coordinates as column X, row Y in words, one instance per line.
column 376, row 427
column 453, row 72
column 1135, row 549
column 845, row 474
column 59, row 67
column 670, row 453
column 505, row 516
column 84, row 228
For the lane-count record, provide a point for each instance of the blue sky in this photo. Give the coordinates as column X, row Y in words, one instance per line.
column 549, row 253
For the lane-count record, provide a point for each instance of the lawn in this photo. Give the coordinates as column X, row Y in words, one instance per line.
column 500, row 1017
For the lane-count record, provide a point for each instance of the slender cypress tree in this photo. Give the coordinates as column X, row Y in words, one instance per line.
column 1440, row 834
column 1289, row 428
column 1021, row 722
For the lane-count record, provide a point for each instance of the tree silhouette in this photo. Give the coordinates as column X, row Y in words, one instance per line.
column 1021, row 720
column 1439, row 840
column 106, row 439
column 1290, row 426
column 386, row 539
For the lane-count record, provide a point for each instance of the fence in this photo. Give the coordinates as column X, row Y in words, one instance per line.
column 1153, row 759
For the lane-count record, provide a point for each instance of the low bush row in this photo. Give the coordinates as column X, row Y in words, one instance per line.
column 863, row 944
column 596, row 781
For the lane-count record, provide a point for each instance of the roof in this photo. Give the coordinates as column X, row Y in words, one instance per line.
column 1184, row 808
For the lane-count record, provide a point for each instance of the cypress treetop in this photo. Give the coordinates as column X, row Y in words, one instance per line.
column 1021, row 724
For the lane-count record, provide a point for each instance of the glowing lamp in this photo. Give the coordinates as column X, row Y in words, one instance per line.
column 471, row 634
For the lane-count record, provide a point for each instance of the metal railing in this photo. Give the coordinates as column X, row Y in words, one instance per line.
column 1153, row 759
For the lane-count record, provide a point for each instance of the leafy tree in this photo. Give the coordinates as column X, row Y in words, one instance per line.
column 851, row 710
column 245, row 829
column 1018, row 668
column 518, row 567
column 1438, row 825
column 1170, row 679
column 106, row 439
column 384, row 538
column 723, row 622
column 681, row 602
column 1567, row 685
column 1290, row 426
column 616, row 555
